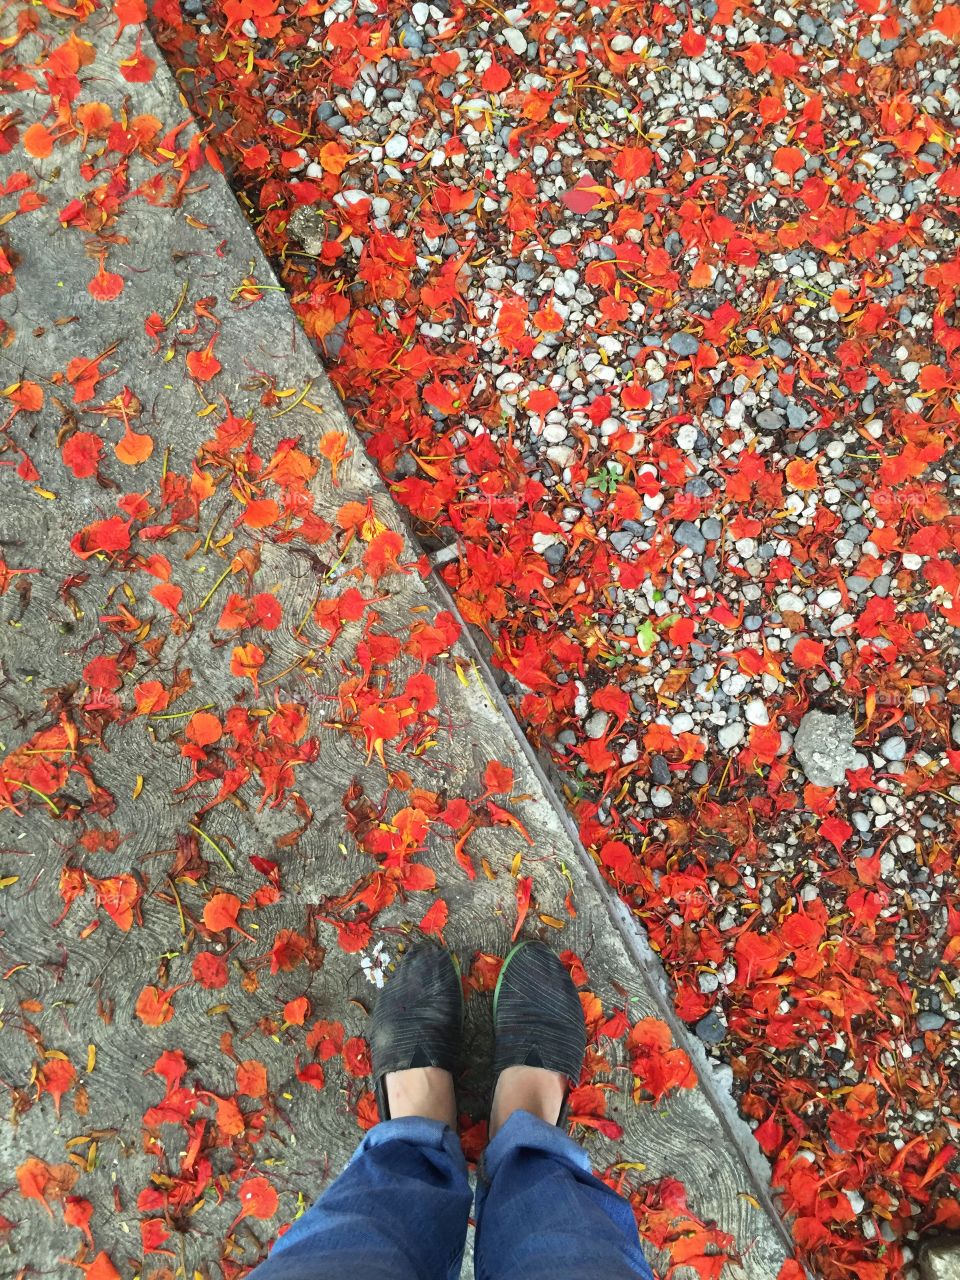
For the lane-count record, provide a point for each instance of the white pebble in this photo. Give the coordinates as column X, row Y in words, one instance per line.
column 515, row 39
column 543, row 540
column 687, row 437
column 730, row 735
column 756, row 712
column 788, row 602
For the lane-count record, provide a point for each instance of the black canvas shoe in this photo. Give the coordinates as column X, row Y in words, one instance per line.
column 418, row 1018
column 537, row 1016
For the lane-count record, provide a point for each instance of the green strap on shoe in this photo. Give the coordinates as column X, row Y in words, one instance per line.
column 537, row 1016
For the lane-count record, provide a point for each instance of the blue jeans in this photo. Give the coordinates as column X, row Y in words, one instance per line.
column 399, row 1212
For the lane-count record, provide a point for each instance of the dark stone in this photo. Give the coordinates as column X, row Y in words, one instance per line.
column 660, row 771
column 710, row 1029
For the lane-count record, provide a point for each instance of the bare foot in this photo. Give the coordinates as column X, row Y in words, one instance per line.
column 532, row 1089
column 422, row 1091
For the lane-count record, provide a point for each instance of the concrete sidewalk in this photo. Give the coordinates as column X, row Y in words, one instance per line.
column 118, row 799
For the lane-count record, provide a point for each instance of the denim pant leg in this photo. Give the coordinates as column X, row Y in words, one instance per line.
column 397, row 1212
column 542, row 1215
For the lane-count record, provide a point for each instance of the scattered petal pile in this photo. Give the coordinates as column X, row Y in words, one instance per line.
column 649, row 316
column 211, row 619
column 649, row 313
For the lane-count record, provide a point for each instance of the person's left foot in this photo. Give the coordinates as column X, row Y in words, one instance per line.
column 539, row 1033
column 415, row 1037
column 532, row 1089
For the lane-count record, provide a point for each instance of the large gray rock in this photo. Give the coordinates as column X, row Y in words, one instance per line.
column 824, row 747
column 940, row 1258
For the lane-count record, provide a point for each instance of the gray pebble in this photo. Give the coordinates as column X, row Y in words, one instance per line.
column 769, row 420
column 686, row 534
column 595, row 725
column 857, row 584
column 796, row 415
column 894, row 748
column 866, row 48
column 824, row 747
column 930, row 1021
column 700, row 773
column 621, row 540
column 711, row 528
column 660, row 771
column 684, row 344
column 710, row 1029
column 410, row 36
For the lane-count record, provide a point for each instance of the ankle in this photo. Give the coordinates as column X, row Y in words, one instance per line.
column 532, row 1089
column 426, row 1092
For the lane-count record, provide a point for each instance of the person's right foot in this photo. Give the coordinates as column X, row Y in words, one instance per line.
column 421, row 1091
column 415, row 1037
column 540, row 1035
